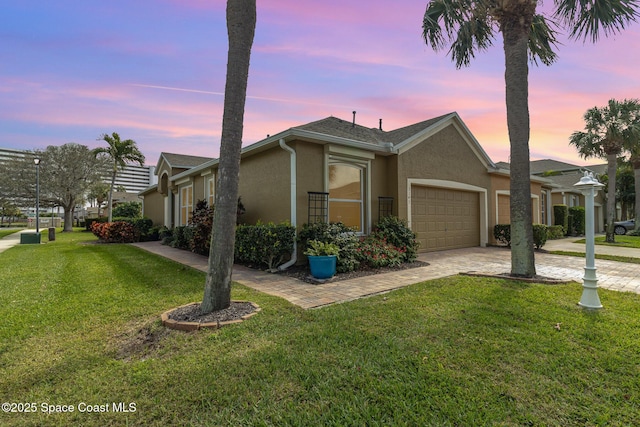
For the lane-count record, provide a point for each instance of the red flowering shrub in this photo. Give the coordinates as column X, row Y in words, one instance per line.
column 377, row 253
column 114, row 232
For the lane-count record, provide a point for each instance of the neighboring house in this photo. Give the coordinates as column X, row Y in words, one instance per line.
column 433, row 174
column 563, row 192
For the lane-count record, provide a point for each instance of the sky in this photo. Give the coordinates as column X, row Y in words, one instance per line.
column 154, row 71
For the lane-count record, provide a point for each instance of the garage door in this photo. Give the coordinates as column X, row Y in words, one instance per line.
column 444, row 218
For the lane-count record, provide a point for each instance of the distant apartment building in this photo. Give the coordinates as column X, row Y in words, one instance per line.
column 132, row 178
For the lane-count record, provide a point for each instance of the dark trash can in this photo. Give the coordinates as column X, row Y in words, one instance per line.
column 52, row 234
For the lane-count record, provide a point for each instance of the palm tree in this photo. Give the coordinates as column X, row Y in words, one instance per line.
column 241, row 25
column 608, row 132
column 120, row 153
column 633, row 140
column 469, row 26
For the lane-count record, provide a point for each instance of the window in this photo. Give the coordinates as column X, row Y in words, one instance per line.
column 346, row 194
column 186, row 204
column 211, row 190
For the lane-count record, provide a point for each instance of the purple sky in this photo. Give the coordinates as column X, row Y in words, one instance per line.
column 154, row 71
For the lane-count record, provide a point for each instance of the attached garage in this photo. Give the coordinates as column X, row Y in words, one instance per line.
column 445, row 218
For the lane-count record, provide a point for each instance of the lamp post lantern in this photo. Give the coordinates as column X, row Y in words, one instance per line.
column 589, row 187
column 36, row 161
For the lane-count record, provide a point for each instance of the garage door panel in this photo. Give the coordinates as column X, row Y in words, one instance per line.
column 444, row 218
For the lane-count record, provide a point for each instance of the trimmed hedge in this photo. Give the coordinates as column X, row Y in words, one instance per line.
column 264, row 244
column 502, row 234
column 555, row 232
column 578, row 220
column 561, row 217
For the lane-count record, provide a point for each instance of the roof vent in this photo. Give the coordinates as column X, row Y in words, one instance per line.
column 354, row 119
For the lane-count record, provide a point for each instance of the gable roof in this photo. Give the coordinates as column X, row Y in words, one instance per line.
column 181, row 161
column 332, row 130
column 550, row 165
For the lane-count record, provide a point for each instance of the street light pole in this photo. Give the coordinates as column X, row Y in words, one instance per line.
column 36, row 161
column 589, row 186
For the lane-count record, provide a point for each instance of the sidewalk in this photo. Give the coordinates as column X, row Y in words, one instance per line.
column 611, row 275
column 11, row 240
column 492, row 260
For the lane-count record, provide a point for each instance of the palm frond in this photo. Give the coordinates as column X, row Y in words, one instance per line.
column 589, row 18
column 466, row 24
column 542, row 40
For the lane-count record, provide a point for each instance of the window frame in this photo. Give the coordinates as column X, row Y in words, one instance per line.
column 188, row 205
column 361, row 160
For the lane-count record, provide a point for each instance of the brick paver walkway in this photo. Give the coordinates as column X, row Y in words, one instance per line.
column 611, row 275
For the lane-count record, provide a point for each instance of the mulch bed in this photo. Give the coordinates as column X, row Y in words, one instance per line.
column 191, row 313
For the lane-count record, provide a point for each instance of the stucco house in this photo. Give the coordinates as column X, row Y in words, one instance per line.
column 562, row 191
column 433, row 174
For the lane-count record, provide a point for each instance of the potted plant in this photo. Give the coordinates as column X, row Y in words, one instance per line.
column 322, row 258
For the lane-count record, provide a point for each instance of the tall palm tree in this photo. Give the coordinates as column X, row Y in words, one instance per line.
column 469, row 26
column 241, row 25
column 120, row 153
column 608, row 132
column 633, row 147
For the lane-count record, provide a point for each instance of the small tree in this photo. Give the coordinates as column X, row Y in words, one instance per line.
column 119, row 153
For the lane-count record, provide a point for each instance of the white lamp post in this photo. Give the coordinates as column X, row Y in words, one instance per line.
column 589, row 187
column 36, row 161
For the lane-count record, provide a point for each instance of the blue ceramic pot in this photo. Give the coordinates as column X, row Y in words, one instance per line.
column 322, row 267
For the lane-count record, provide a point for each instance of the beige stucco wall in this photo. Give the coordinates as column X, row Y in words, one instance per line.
column 265, row 186
column 153, row 207
column 444, row 156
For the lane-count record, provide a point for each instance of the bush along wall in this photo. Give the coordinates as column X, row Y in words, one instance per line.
column 267, row 245
column 555, row 232
column 138, row 229
column 561, row 217
column 502, row 234
column 578, row 220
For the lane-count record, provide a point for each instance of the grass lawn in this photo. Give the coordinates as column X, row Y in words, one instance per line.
column 5, row 232
column 623, row 241
column 80, row 327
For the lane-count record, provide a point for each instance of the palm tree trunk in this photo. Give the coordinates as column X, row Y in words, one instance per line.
column 611, row 197
column 516, row 35
column 241, row 24
column 636, row 178
column 110, row 203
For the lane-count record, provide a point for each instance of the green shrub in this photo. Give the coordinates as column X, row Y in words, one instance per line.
column 577, row 214
column 561, row 217
column 201, row 224
column 555, row 232
column 394, row 231
column 317, row 248
column 264, row 244
column 181, row 237
column 377, row 253
column 540, row 235
column 502, row 233
column 128, row 210
column 339, row 234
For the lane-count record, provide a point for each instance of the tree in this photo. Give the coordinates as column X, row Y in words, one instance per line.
column 120, row 153
column 241, row 24
column 128, row 210
column 634, row 160
column 470, row 26
column 99, row 192
column 67, row 172
column 608, row 132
